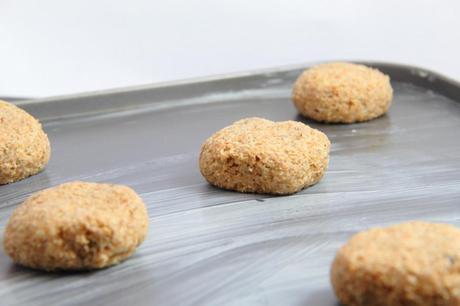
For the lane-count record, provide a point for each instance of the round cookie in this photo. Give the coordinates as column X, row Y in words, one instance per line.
column 415, row 263
column 24, row 146
column 262, row 156
column 76, row 226
column 342, row 93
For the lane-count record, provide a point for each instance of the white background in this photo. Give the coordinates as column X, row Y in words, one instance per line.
column 54, row 47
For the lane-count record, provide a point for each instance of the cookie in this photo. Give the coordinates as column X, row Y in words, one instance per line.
column 24, row 146
column 262, row 156
column 415, row 263
column 76, row 226
column 342, row 93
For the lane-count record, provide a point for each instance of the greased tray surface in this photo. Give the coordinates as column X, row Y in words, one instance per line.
column 212, row 247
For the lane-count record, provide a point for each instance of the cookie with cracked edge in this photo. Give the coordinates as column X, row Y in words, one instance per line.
column 261, row 156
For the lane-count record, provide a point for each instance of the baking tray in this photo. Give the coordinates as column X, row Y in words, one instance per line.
column 208, row 246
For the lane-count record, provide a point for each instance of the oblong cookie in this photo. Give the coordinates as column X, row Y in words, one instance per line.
column 415, row 263
column 262, row 156
column 76, row 226
column 342, row 93
column 24, row 146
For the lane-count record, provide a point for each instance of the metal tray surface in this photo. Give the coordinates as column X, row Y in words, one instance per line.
column 207, row 246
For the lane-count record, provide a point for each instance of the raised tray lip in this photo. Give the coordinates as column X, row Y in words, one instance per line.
column 422, row 73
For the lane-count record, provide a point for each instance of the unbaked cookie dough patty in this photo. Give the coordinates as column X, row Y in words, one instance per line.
column 415, row 263
column 76, row 226
column 262, row 156
column 24, row 146
column 342, row 93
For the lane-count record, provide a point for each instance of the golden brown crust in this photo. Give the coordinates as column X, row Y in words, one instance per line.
column 342, row 93
column 262, row 156
column 415, row 263
column 76, row 226
column 24, row 146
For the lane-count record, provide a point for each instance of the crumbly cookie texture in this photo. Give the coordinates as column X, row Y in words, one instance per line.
column 24, row 146
column 262, row 156
column 76, row 226
column 342, row 93
column 415, row 263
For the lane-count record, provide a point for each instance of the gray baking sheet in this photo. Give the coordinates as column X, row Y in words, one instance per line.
column 207, row 246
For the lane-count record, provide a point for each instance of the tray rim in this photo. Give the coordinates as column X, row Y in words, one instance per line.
column 421, row 72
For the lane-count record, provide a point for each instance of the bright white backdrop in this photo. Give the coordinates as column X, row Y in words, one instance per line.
column 54, row 47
